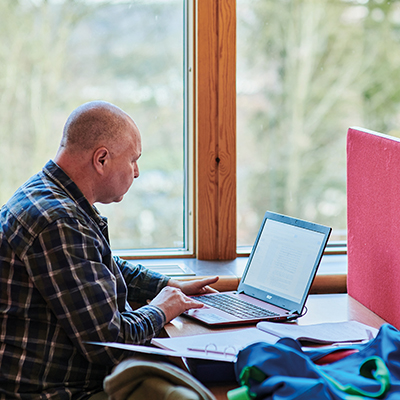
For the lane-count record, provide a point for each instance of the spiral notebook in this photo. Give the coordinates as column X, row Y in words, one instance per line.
column 277, row 277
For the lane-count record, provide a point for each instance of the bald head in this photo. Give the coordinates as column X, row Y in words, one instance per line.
column 99, row 151
column 93, row 124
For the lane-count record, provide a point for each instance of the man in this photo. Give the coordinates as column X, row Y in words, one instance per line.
column 60, row 286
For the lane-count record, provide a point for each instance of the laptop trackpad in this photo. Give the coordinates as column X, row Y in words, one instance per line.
column 206, row 315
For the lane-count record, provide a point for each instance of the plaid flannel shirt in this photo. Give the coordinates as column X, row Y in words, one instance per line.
column 60, row 287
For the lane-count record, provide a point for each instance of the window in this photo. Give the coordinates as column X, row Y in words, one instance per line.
column 307, row 70
column 58, row 54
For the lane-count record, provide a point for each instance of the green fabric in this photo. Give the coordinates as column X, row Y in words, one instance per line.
column 372, row 368
column 241, row 393
column 251, row 373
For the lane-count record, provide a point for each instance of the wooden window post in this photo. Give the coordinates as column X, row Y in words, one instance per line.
column 216, row 130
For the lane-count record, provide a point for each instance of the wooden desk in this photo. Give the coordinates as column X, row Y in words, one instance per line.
column 321, row 308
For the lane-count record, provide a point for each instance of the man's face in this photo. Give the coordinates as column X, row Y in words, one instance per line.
column 123, row 168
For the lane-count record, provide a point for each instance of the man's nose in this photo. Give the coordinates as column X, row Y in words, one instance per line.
column 136, row 175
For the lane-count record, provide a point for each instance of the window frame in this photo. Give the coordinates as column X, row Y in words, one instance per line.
column 216, row 130
column 210, row 144
column 211, row 139
column 216, row 134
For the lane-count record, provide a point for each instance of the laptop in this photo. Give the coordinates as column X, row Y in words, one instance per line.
column 277, row 278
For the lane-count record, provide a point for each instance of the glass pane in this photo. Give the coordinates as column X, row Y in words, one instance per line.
column 58, row 54
column 307, row 70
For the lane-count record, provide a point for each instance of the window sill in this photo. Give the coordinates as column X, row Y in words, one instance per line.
column 331, row 276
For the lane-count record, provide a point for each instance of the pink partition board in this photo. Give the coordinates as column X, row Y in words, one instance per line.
column 373, row 222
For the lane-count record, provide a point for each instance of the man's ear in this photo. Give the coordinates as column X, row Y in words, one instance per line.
column 101, row 157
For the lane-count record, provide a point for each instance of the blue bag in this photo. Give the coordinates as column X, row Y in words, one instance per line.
column 284, row 371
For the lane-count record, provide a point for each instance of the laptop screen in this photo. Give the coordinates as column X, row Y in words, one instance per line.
column 288, row 251
column 284, row 260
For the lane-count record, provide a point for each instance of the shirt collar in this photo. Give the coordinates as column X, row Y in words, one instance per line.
column 61, row 179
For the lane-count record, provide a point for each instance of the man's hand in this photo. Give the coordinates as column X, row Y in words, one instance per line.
column 197, row 286
column 173, row 302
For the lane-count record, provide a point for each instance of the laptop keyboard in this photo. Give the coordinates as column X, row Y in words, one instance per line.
column 236, row 307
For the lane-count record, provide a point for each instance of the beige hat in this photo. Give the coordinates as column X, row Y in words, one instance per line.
column 135, row 379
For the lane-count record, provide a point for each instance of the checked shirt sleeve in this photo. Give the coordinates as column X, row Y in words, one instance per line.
column 143, row 284
column 85, row 291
